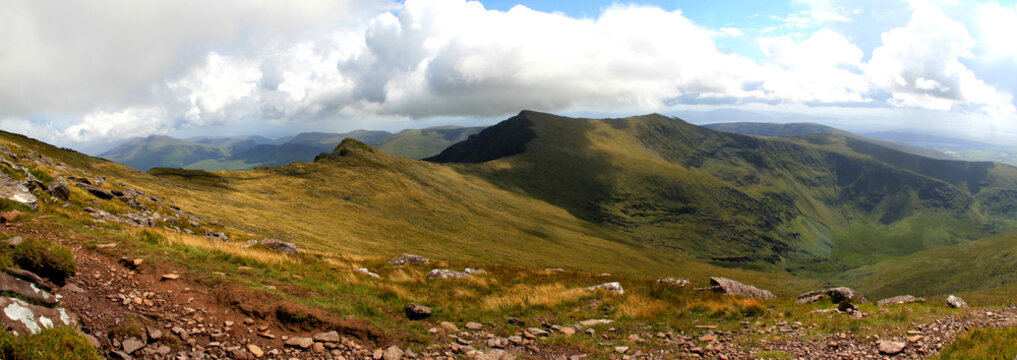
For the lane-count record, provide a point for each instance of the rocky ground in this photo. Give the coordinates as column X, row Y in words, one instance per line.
column 131, row 308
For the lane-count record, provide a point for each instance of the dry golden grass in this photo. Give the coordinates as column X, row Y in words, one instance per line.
column 524, row 295
column 638, row 307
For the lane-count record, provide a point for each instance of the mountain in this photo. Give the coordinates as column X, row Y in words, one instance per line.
column 802, row 129
column 422, row 143
column 816, row 203
column 230, row 153
column 559, row 214
column 165, row 151
column 958, row 148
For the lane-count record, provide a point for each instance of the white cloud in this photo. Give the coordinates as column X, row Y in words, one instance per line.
column 920, row 65
column 164, row 67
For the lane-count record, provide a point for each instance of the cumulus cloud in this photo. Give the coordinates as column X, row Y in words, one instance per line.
column 920, row 65
column 133, row 69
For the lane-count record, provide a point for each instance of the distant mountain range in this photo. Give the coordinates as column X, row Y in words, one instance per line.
column 247, row 152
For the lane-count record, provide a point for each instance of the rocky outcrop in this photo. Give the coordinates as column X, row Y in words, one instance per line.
column 280, row 246
column 409, row 259
column 11, row 284
column 731, row 287
column 955, row 302
column 836, row 295
column 18, row 192
column 614, row 287
column 97, row 191
column 22, row 318
column 905, row 299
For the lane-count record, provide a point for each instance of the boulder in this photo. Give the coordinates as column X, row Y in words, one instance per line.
column 905, row 299
column 16, row 191
column 673, row 282
column 26, row 289
column 22, row 318
column 836, row 295
column 280, row 246
column 59, row 189
column 417, row 312
column 955, row 302
column 731, row 287
column 31, row 277
column 409, row 259
column 132, row 344
column 611, row 286
column 446, row 274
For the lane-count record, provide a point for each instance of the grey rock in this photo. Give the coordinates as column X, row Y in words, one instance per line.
column 392, row 353
column 23, row 318
column 301, row 342
column 13, row 190
column 446, row 274
column 331, row 336
column 904, row 299
column 59, row 189
column 409, row 259
column 280, row 246
column 891, row 347
column 132, row 344
column 97, row 191
column 955, row 302
column 416, row 311
column 24, row 288
column 836, row 295
column 731, row 287
column 673, row 282
column 611, row 286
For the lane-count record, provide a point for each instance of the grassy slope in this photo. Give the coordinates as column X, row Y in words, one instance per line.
column 164, row 151
column 801, row 129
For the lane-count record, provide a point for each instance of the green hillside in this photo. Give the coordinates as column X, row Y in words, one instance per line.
column 803, row 129
column 734, row 199
column 422, row 143
column 165, row 151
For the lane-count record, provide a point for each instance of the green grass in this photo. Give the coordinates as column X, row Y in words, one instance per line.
column 982, row 344
column 44, row 258
column 60, row 343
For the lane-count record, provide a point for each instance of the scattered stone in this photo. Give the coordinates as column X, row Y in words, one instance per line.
column 301, row 342
column 621, row 349
column 595, row 322
column 255, row 350
column 331, row 336
column 280, row 246
column 132, row 344
column 417, row 312
column 474, row 326
column 409, row 259
column 846, row 306
column 836, row 295
column 516, row 321
column 170, row 276
column 905, row 299
column 450, row 327
column 731, row 287
column 537, row 331
column 22, row 318
column 392, row 353
column 567, row 331
column 673, row 282
column 955, row 302
column 611, row 286
column 153, row 333
column 891, row 347
column 492, row 354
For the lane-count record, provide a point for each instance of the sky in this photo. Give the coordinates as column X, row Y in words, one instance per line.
column 90, row 74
